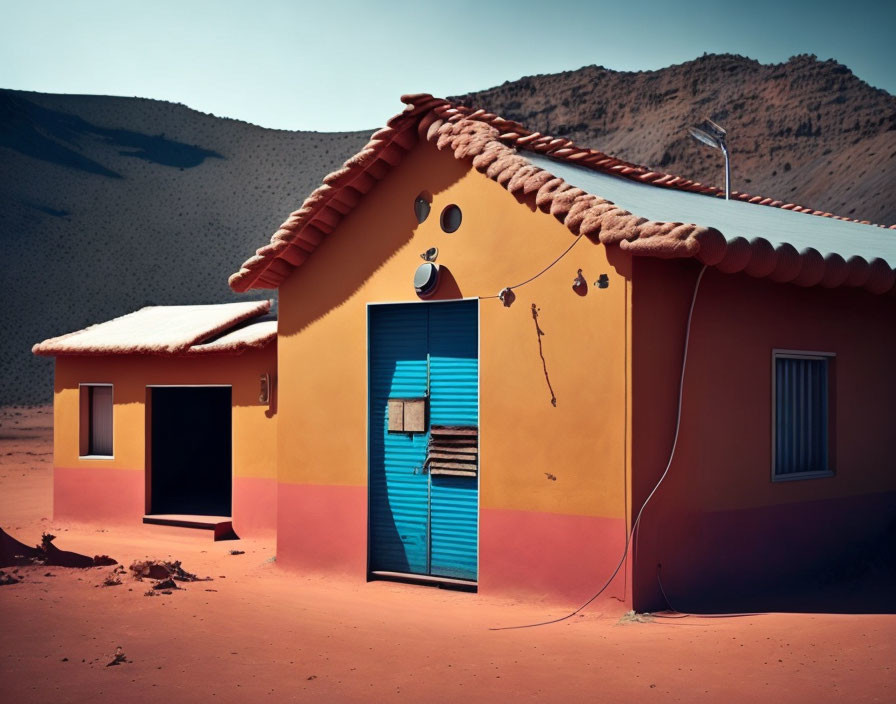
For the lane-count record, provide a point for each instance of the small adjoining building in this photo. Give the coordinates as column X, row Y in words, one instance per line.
column 157, row 416
column 498, row 353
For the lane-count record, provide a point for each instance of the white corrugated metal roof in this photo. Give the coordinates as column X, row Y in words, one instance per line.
column 732, row 218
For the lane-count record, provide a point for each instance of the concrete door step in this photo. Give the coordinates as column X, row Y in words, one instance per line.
column 221, row 526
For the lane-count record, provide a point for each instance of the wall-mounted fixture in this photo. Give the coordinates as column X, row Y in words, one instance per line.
column 506, row 296
column 264, row 394
column 430, row 255
column 603, row 281
column 426, row 279
column 714, row 136
column 422, row 204
column 579, row 281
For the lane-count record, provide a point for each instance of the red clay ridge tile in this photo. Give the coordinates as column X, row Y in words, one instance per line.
column 762, row 258
column 545, row 194
column 507, row 173
column 499, row 164
column 812, row 270
column 789, row 263
column 858, row 271
column 562, row 202
column 517, row 183
column 487, row 157
column 881, row 277
column 536, row 181
column 737, row 256
column 491, row 143
column 835, row 271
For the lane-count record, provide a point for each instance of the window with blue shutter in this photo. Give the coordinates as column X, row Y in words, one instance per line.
column 802, row 418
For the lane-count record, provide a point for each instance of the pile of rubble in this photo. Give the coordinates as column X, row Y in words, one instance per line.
column 165, row 574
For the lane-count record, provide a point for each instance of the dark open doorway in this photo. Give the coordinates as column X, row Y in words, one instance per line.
column 190, row 453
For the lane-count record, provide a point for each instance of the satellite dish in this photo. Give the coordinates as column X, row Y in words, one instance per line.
column 426, row 279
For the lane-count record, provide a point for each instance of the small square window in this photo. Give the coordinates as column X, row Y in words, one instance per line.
column 96, row 420
column 801, row 424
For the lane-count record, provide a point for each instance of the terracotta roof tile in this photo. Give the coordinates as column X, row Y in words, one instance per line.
column 762, row 258
column 835, row 271
column 497, row 148
column 787, row 263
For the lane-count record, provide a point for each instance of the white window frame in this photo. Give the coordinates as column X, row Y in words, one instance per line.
column 778, row 353
column 84, row 422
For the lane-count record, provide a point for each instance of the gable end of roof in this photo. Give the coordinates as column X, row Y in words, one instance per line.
column 496, row 147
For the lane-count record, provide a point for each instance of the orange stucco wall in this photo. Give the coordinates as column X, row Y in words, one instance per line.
column 719, row 524
column 540, row 464
column 114, row 489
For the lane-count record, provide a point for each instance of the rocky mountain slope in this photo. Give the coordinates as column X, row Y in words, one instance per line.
column 805, row 131
column 109, row 204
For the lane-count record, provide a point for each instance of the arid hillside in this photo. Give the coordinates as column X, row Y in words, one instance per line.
column 805, row 131
column 108, row 204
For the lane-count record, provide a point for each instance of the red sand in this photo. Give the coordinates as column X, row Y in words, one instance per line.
column 256, row 631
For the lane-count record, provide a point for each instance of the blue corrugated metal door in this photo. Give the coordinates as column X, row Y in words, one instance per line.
column 422, row 523
column 399, row 491
column 454, row 401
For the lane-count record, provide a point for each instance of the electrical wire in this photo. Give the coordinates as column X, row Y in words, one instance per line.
column 530, row 280
column 628, row 538
column 680, row 614
column 687, row 614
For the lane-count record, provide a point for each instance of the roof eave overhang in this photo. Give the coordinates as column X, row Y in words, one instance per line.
column 493, row 145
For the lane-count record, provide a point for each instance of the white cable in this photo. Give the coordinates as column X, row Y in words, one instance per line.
column 628, row 538
column 684, row 362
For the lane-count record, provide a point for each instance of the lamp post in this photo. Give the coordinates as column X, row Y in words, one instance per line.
column 715, row 136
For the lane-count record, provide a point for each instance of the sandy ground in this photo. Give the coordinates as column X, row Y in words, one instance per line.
column 255, row 632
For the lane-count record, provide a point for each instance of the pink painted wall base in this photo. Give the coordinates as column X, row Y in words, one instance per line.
column 322, row 528
column 556, row 557
column 254, row 506
column 95, row 495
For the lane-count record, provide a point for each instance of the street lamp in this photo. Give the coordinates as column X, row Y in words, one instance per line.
column 714, row 136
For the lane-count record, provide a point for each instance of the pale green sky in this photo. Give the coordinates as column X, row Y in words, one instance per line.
column 341, row 65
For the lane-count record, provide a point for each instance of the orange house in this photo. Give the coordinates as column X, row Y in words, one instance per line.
column 500, row 354
column 163, row 414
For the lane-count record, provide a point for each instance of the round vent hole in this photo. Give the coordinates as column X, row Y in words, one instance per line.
column 451, row 217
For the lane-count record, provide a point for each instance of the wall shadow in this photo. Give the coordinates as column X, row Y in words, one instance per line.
column 365, row 241
column 448, row 287
column 843, row 587
column 59, row 138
